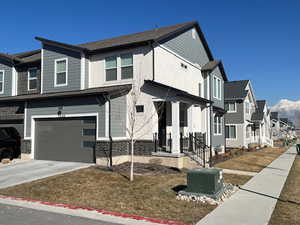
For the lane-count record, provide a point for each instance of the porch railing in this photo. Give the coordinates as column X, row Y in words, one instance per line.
column 192, row 145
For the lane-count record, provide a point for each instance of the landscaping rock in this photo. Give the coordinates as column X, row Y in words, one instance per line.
column 229, row 190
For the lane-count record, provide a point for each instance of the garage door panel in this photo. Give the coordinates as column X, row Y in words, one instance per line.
column 68, row 139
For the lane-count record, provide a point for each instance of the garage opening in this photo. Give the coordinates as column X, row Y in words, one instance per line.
column 66, row 139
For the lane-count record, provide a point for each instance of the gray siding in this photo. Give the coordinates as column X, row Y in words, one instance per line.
column 12, row 111
column 219, row 103
column 188, row 47
column 23, row 80
column 74, row 69
column 79, row 106
column 118, row 116
column 218, row 140
column 238, row 117
column 7, row 78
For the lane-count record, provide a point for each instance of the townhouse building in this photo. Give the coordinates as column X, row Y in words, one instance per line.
column 247, row 121
column 77, row 102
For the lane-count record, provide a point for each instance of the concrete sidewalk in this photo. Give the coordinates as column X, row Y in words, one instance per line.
column 255, row 202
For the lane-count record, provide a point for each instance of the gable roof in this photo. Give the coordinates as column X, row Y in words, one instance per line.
column 211, row 65
column 259, row 112
column 158, row 35
column 234, row 90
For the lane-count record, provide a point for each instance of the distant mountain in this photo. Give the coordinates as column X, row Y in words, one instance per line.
column 289, row 109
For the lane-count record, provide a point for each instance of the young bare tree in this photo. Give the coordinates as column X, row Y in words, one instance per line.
column 137, row 129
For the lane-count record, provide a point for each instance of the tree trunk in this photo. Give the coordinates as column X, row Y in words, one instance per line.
column 132, row 154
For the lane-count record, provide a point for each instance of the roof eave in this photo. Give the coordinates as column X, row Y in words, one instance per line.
column 62, row 45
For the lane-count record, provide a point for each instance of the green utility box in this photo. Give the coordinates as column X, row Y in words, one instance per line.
column 205, row 181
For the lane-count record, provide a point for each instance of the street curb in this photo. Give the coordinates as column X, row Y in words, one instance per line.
column 100, row 211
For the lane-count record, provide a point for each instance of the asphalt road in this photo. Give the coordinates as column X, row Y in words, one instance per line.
column 14, row 215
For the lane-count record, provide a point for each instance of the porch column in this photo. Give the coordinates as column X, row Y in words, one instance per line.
column 175, row 128
column 190, row 118
column 260, row 137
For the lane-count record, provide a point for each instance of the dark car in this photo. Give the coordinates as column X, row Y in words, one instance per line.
column 10, row 143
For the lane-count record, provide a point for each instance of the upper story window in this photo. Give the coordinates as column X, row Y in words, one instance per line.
column 217, row 88
column 1, row 81
column 111, row 68
column 119, row 64
column 217, row 125
column 126, row 66
column 32, row 79
column 230, row 107
column 247, row 106
column 61, row 72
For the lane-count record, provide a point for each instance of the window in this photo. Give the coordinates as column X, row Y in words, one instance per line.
column 230, row 107
column 247, row 107
column 139, row 108
column 61, row 72
column 126, row 66
column 1, row 81
column 32, row 79
column 230, row 131
column 111, row 68
column 217, row 125
column 217, row 88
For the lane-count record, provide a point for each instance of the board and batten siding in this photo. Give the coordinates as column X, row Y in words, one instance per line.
column 81, row 105
column 7, row 78
column 189, row 46
column 50, row 54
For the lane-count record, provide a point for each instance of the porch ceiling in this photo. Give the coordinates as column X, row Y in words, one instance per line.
column 176, row 93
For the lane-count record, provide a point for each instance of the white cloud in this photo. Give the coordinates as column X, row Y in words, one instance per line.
column 289, row 109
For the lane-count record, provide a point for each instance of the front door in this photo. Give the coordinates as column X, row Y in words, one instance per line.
column 162, row 126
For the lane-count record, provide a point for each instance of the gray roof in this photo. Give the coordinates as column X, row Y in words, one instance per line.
column 160, row 34
column 118, row 89
column 235, row 89
column 259, row 112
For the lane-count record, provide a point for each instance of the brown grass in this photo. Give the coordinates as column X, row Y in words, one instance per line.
column 252, row 161
column 289, row 213
column 151, row 196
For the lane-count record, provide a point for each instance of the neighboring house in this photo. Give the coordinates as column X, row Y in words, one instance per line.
column 240, row 104
column 275, row 125
column 262, row 122
column 287, row 128
column 77, row 98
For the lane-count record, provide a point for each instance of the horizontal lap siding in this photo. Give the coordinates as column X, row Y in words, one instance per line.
column 50, row 54
column 80, row 106
column 7, row 78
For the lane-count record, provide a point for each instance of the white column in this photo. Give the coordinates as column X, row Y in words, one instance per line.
column 190, row 118
column 175, row 128
column 260, row 137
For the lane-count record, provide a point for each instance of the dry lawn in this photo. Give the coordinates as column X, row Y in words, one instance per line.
column 289, row 212
column 252, row 161
column 151, row 196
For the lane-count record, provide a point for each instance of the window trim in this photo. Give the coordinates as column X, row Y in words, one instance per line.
column 55, row 72
column 218, row 91
column 229, row 125
column 30, row 78
column 3, row 71
column 219, row 123
column 230, row 111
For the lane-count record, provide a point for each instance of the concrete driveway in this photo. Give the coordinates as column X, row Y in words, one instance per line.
column 27, row 171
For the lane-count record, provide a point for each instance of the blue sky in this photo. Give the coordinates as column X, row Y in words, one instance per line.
column 255, row 39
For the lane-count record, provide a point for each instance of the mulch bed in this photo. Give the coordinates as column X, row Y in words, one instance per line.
column 142, row 168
